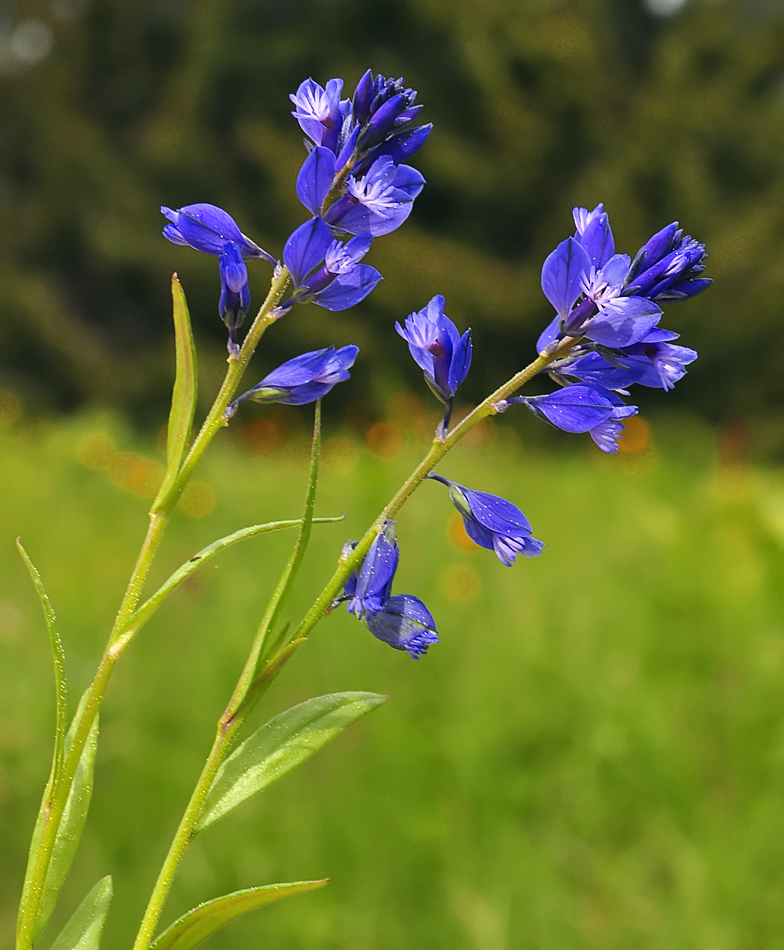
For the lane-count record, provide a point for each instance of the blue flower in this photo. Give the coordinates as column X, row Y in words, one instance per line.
column 438, row 348
column 371, row 587
column 574, row 408
column 405, row 624
column 605, row 297
column 325, row 271
column 401, row 620
column 493, row 522
column 375, row 202
column 303, row 379
column 208, row 228
column 319, row 111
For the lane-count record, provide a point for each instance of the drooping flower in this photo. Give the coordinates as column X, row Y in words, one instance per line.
column 208, row 228
column 438, row 348
column 574, row 408
column 405, row 624
column 372, row 586
column 301, row 380
column 401, row 620
column 493, row 522
column 325, row 271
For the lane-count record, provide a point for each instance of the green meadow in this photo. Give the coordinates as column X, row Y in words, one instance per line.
column 593, row 756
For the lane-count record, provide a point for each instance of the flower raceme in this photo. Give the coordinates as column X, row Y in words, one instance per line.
column 301, row 380
column 207, row 228
column 493, row 522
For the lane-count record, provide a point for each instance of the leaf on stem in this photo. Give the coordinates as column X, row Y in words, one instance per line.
column 261, row 650
column 204, row 920
column 142, row 614
column 184, row 394
column 83, row 930
column 58, row 659
column 71, row 825
column 280, row 746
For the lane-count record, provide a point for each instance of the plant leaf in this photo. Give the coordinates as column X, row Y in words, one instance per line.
column 261, row 651
column 83, row 930
column 71, row 824
column 142, row 614
column 280, row 746
column 58, row 659
column 199, row 923
column 184, row 393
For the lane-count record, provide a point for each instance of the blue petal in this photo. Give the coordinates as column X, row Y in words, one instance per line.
column 315, row 178
column 597, row 239
column 232, row 268
column 347, row 290
column 574, row 408
column 405, row 623
column 562, row 275
column 375, row 577
column 496, row 513
column 549, row 334
column 461, row 361
column 305, row 249
column 624, row 321
column 206, row 227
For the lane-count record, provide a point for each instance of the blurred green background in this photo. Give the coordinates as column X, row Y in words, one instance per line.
column 594, row 755
column 662, row 110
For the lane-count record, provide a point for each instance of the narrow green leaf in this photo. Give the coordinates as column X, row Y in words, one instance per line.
column 280, row 746
column 183, row 404
column 204, row 920
column 148, row 608
column 261, row 649
column 185, row 381
column 71, row 825
column 83, row 930
column 58, row 659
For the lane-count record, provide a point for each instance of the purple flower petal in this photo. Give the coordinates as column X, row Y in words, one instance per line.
column 562, row 275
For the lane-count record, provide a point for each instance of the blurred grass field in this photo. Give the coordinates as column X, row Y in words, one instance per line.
column 592, row 757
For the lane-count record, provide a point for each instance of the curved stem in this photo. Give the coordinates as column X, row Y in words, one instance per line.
column 438, row 450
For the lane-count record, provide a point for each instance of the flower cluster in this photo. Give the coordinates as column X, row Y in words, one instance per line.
column 354, row 182
column 609, row 304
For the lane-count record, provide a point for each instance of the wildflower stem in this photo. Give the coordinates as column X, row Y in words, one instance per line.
column 160, row 514
column 438, row 450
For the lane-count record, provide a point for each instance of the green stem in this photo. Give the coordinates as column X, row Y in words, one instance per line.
column 159, row 519
column 227, row 728
column 438, row 450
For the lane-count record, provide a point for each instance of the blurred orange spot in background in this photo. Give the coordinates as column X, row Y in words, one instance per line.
column 459, row 582
column 197, row 500
column 10, row 410
column 385, row 440
column 340, row 455
column 458, row 536
column 262, row 436
column 95, row 450
column 636, row 436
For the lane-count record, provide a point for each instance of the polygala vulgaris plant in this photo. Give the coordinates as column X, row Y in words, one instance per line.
column 357, row 185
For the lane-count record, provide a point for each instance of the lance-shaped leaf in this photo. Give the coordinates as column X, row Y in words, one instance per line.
column 58, row 659
column 142, row 614
column 184, row 394
column 83, row 930
column 280, row 746
column 204, row 920
column 69, row 832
